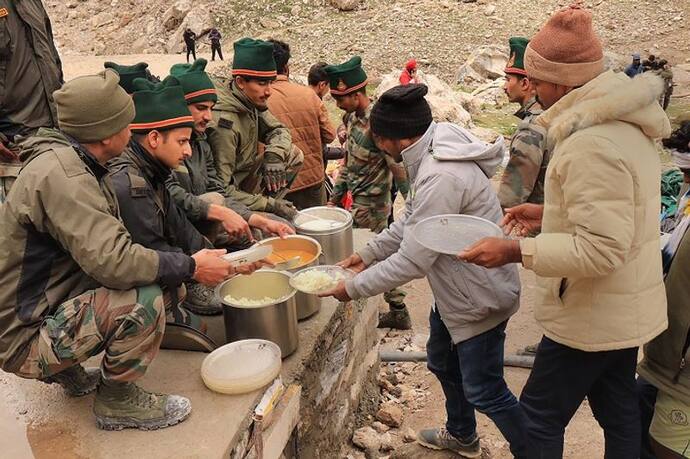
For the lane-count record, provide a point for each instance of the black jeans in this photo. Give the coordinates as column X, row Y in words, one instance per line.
column 215, row 48
column 561, row 379
column 646, row 396
column 471, row 375
column 191, row 49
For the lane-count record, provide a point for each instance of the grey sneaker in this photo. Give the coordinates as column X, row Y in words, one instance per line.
column 76, row 380
column 441, row 439
column 397, row 317
column 202, row 300
column 127, row 406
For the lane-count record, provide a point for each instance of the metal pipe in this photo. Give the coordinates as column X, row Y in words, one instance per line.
column 520, row 361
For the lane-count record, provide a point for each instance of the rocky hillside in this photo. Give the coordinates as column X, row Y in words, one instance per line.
column 439, row 33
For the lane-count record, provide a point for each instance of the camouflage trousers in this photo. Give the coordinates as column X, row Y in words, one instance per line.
column 375, row 218
column 127, row 324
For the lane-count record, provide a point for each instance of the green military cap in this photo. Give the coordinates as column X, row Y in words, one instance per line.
column 516, row 65
column 128, row 73
column 195, row 82
column 346, row 78
column 159, row 106
column 254, row 59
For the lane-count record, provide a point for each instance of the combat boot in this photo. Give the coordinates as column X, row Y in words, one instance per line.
column 397, row 317
column 202, row 300
column 127, row 406
column 76, row 380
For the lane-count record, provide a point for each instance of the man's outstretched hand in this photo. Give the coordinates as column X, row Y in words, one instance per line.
column 523, row 219
column 492, row 252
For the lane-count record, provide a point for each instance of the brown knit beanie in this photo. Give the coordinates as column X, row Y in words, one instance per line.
column 566, row 51
column 94, row 107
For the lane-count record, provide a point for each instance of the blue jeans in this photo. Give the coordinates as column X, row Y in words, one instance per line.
column 471, row 375
column 561, row 379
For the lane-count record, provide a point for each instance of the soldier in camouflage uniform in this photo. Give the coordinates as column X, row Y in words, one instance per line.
column 30, row 71
column 72, row 282
column 523, row 178
column 257, row 177
column 368, row 172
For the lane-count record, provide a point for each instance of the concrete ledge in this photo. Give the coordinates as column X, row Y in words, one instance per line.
column 337, row 350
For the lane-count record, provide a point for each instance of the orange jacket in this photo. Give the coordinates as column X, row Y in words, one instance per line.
column 300, row 110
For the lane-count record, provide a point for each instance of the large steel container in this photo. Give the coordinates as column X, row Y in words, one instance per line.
column 307, row 305
column 274, row 320
column 336, row 241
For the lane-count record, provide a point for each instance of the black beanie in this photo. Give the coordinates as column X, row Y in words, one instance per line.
column 401, row 112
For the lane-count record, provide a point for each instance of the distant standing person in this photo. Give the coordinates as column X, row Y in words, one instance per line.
column 190, row 42
column 215, row 37
column 31, row 71
column 636, row 67
column 409, row 73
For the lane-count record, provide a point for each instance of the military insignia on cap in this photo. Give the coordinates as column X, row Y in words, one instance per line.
column 341, row 85
column 4, row 12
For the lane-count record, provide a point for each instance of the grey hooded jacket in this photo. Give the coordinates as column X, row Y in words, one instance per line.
column 449, row 172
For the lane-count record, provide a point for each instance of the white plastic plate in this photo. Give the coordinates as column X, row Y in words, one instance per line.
column 331, row 270
column 451, row 234
column 241, row 367
column 250, row 255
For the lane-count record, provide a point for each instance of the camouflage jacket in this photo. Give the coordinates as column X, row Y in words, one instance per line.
column 368, row 172
column 59, row 238
column 523, row 178
column 30, row 68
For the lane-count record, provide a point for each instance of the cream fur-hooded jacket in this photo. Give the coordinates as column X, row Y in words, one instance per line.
column 598, row 257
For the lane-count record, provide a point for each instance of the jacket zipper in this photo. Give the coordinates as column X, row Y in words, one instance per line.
column 681, row 366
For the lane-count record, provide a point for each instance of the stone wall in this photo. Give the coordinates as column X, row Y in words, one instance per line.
column 339, row 380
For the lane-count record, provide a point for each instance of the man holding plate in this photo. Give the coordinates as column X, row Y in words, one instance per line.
column 449, row 171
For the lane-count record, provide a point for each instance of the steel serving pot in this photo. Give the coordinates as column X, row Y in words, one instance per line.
column 307, row 305
column 274, row 321
column 336, row 242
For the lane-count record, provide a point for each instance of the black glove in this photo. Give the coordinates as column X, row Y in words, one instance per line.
column 275, row 174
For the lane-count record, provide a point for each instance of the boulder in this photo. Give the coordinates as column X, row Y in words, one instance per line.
column 367, row 439
column 616, row 62
column 487, row 62
column 173, row 16
column 446, row 104
column 345, row 5
column 199, row 20
column 491, row 93
column 390, row 414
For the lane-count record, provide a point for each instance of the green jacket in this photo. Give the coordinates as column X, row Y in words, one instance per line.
column 664, row 363
column 196, row 176
column 30, row 68
column 60, row 238
column 234, row 135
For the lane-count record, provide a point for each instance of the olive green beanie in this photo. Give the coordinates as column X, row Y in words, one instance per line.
column 94, row 107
